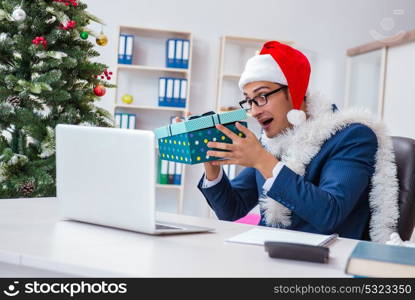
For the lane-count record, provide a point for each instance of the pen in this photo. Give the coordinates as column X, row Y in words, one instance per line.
column 329, row 239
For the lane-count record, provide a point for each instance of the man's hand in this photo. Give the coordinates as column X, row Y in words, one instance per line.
column 211, row 171
column 246, row 152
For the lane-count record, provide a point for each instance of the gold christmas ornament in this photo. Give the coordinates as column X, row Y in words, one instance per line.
column 127, row 99
column 102, row 40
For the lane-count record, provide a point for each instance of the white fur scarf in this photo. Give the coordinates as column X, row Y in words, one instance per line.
column 297, row 146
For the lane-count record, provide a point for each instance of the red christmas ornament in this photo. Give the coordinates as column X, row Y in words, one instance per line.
column 100, row 90
column 107, row 75
column 40, row 40
column 69, row 25
column 67, row 2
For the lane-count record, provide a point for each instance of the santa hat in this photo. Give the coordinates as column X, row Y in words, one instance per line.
column 285, row 65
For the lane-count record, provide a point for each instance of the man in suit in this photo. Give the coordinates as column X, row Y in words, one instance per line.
column 315, row 169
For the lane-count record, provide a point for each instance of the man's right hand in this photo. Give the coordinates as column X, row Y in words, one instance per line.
column 211, row 171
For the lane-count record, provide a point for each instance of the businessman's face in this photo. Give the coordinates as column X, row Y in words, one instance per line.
column 272, row 116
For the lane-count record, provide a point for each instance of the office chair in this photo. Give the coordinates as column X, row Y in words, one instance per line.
column 404, row 149
column 405, row 161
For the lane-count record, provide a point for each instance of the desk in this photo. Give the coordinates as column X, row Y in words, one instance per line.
column 33, row 237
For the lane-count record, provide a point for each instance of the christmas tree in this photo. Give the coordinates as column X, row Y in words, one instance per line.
column 46, row 78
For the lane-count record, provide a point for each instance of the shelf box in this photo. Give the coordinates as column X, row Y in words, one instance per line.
column 142, row 84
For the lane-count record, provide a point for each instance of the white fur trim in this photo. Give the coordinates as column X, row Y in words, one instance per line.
column 262, row 68
column 297, row 147
column 275, row 213
column 296, row 117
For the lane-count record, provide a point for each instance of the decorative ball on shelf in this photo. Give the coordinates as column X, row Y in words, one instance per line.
column 100, row 90
column 84, row 35
column 102, row 40
column 127, row 98
column 19, row 15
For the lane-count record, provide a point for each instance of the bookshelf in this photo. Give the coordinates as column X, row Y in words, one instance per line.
column 141, row 79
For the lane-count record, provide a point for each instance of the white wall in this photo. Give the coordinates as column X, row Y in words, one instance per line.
column 399, row 103
column 326, row 27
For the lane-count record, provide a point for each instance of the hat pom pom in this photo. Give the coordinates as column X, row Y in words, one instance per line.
column 296, row 117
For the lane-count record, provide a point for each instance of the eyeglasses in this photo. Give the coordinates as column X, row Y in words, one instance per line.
column 259, row 100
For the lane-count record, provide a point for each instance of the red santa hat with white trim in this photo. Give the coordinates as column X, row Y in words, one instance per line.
column 281, row 64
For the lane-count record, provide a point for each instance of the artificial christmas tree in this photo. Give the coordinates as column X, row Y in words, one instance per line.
column 46, row 78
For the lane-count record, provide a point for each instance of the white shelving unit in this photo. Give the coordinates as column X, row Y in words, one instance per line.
column 376, row 79
column 141, row 79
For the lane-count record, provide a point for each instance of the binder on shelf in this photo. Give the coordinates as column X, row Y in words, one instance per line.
column 170, row 53
column 183, row 93
column 131, row 121
column 178, row 174
column 125, row 49
column 121, row 49
column 171, row 171
column 129, row 44
column 185, row 56
column 179, row 54
column 169, row 92
column 118, row 120
column 163, row 172
column 124, row 121
column 162, row 91
column 176, row 93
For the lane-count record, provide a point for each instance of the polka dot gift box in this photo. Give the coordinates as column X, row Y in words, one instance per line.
column 186, row 142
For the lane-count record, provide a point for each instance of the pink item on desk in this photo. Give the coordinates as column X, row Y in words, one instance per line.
column 252, row 219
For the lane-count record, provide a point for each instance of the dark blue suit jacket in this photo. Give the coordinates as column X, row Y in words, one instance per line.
column 331, row 197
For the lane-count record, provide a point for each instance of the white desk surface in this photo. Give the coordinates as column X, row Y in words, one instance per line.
column 31, row 235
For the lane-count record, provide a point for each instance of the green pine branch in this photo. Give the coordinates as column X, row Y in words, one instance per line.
column 41, row 87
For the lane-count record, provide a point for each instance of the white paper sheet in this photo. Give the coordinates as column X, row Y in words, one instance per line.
column 258, row 236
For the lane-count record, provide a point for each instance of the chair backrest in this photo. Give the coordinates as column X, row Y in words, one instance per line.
column 404, row 149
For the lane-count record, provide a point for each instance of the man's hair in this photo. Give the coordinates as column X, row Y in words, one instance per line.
column 286, row 93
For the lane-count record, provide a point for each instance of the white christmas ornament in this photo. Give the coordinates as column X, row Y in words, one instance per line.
column 19, row 14
column 296, row 117
column 3, row 36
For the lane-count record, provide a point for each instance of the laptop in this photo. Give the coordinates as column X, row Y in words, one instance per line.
column 107, row 176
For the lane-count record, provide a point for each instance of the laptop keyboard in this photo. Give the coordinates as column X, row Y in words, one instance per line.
column 162, row 227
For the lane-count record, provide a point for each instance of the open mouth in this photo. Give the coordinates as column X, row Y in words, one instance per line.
column 266, row 123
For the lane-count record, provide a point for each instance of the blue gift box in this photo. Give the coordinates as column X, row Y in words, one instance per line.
column 186, row 142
